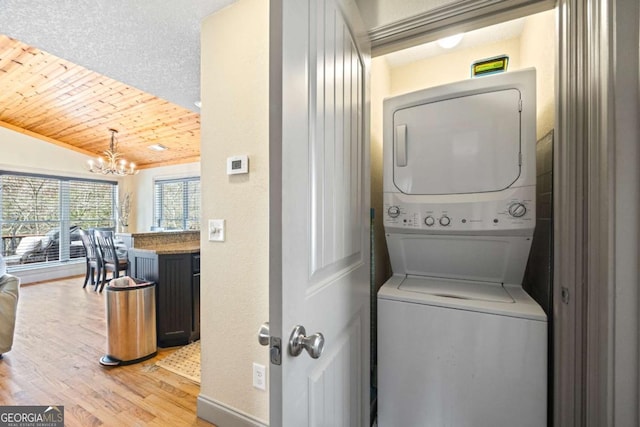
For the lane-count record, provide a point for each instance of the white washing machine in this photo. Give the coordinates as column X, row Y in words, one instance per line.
column 460, row 343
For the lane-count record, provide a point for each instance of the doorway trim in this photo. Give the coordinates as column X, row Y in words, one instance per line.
column 458, row 16
column 597, row 196
column 597, row 218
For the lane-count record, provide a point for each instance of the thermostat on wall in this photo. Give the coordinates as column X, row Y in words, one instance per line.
column 237, row 164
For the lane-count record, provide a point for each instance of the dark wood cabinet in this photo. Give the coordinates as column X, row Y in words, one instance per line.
column 195, row 286
column 177, row 278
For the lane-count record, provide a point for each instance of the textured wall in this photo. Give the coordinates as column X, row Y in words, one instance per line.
column 449, row 67
column 537, row 47
column 235, row 287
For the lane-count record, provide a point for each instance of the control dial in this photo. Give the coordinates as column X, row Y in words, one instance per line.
column 517, row 210
column 393, row 211
column 445, row 220
column 429, row 221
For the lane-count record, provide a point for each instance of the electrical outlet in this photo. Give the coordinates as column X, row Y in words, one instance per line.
column 259, row 376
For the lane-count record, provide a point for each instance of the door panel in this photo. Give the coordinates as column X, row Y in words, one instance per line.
column 336, row 143
column 319, row 213
column 334, row 399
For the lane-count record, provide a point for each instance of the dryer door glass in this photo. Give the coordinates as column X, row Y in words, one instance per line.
column 467, row 144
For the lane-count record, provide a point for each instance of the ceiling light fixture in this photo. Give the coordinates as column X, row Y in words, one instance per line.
column 114, row 164
column 158, row 147
column 451, row 41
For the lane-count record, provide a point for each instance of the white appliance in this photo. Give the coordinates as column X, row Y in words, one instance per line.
column 460, row 343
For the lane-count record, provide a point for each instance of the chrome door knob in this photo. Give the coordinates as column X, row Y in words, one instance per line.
column 314, row 344
column 263, row 334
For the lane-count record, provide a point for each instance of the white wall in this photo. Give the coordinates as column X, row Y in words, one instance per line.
column 20, row 152
column 538, row 49
column 235, row 287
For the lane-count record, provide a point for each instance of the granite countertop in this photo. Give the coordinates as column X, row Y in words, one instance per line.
column 162, row 233
column 172, row 248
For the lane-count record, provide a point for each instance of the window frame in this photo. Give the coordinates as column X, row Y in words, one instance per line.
column 64, row 211
column 158, row 199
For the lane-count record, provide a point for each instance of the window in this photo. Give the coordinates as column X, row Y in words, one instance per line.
column 40, row 215
column 177, row 204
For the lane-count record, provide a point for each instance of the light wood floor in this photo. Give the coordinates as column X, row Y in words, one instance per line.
column 59, row 339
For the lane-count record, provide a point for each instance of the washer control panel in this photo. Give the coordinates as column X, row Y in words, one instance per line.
column 459, row 213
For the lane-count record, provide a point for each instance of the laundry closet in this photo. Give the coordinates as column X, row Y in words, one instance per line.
column 529, row 44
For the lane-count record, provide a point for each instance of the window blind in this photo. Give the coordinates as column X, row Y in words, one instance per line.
column 177, row 204
column 40, row 215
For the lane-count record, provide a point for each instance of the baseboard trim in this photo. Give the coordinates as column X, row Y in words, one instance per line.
column 33, row 273
column 224, row 416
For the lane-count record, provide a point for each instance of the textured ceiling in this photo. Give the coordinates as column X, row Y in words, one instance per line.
column 55, row 100
column 152, row 45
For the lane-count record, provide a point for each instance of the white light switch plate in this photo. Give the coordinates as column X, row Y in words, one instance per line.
column 216, row 230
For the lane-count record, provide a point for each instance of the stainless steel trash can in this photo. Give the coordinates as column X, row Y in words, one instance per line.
column 131, row 321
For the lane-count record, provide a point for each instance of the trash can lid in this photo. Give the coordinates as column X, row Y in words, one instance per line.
column 127, row 283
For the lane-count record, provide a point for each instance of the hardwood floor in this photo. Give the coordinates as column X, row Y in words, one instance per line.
column 60, row 336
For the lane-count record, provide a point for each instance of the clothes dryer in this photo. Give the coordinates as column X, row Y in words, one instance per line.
column 460, row 343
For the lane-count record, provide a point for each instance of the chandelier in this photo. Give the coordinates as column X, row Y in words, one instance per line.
column 112, row 163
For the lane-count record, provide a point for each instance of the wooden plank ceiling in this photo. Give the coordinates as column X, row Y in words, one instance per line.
column 55, row 100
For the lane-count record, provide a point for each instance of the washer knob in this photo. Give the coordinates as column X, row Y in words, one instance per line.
column 429, row 221
column 517, row 210
column 393, row 211
column 445, row 220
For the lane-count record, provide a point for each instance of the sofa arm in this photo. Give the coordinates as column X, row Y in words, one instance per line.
column 9, row 290
column 9, row 285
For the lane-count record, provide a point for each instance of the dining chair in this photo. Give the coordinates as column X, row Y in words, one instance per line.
column 110, row 260
column 93, row 258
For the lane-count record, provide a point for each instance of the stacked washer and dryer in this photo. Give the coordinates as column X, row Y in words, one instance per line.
column 460, row 343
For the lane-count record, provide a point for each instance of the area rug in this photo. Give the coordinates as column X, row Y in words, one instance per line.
column 184, row 361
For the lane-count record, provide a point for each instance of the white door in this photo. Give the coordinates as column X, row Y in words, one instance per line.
column 319, row 195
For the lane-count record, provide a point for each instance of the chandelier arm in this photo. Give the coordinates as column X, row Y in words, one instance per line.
column 114, row 163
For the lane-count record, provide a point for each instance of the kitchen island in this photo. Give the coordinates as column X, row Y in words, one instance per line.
column 172, row 261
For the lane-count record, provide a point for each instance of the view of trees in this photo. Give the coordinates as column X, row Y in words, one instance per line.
column 34, row 205
column 40, row 206
column 30, row 206
column 178, row 204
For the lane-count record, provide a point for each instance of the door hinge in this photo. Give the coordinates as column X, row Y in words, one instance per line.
column 275, row 350
column 565, row 295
